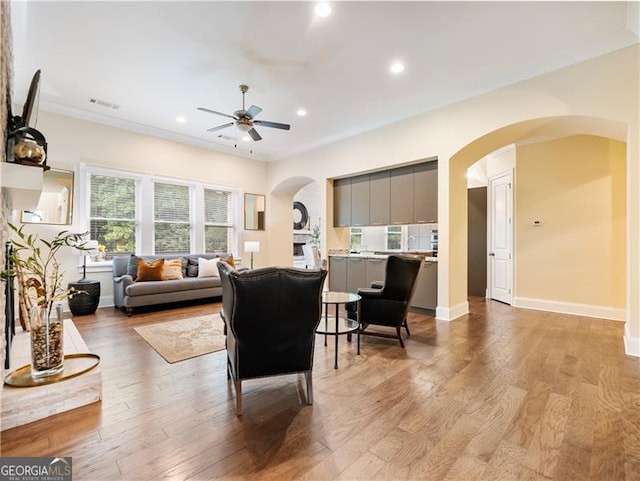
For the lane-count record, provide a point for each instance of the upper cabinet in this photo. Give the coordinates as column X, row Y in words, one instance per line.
column 425, row 193
column 379, row 198
column 406, row 195
column 342, row 202
column 401, row 204
column 360, row 200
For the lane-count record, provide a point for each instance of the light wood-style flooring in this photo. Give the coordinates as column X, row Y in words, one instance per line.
column 502, row 394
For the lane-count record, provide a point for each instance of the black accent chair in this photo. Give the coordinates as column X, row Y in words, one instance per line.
column 386, row 303
column 271, row 315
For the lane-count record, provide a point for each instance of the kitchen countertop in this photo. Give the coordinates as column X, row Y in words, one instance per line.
column 428, row 255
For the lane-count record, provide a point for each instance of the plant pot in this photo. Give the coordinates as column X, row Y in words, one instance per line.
column 47, row 341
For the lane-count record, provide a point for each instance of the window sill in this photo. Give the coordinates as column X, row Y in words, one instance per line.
column 104, row 266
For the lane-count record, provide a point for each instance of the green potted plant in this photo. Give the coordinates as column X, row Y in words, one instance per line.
column 40, row 289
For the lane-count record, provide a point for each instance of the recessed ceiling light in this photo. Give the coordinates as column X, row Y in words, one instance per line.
column 322, row 9
column 301, row 112
column 396, row 67
column 246, row 138
column 181, row 119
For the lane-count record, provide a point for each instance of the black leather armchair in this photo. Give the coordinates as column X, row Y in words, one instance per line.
column 271, row 315
column 386, row 304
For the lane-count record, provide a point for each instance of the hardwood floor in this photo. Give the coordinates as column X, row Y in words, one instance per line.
column 502, row 394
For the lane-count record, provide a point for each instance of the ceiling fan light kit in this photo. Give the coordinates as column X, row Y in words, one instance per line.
column 244, row 120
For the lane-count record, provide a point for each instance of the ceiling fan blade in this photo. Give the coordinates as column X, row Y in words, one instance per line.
column 202, row 109
column 220, row 127
column 253, row 111
column 275, row 125
column 254, row 134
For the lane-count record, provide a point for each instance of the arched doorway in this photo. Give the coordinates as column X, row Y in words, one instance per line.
column 281, row 215
column 548, row 132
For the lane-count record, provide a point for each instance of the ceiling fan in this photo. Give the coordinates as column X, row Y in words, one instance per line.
column 244, row 119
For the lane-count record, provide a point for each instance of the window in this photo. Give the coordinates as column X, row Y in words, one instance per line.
column 142, row 214
column 356, row 238
column 112, row 219
column 171, row 212
column 393, row 237
column 219, row 216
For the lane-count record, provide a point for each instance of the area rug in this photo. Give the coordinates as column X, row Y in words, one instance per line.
column 185, row 338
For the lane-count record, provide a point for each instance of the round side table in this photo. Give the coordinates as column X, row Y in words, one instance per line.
column 86, row 302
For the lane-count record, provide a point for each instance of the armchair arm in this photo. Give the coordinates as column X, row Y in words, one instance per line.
column 120, row 285
column 377, row 284
column 370, row 293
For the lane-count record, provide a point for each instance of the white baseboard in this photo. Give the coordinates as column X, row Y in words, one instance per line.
column 451, row 313
column 603, row 312
column 631, row 344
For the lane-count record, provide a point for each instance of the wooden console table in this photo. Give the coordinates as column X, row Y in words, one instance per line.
column 24, row 405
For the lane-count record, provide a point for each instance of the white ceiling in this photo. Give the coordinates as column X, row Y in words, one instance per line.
column 160, row 60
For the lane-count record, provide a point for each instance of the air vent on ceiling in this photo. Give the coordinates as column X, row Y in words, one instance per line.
column 226, row 137
column 103, row 103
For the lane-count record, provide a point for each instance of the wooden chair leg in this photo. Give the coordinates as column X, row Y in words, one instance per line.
column 406, row 326
column 238, row 385
column 309, row 380
column 399, row 333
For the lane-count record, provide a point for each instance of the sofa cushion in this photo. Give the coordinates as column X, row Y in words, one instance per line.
column 172, row 269
column 192, row 263
column 186, row 284
column 150, row 271
column 208, row 267
column 132, row 265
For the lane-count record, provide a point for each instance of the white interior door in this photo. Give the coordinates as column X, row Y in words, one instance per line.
column 500, row 266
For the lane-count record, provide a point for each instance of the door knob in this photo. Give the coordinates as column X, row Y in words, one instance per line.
column 492, row 253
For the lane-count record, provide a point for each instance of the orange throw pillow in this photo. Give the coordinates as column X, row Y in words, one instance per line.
column 172, row 269
column 229, row 260
column 150, row 272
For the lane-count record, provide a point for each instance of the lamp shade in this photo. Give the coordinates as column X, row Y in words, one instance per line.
column 252, row 246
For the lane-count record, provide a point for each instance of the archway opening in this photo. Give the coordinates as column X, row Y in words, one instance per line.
column 549, row 151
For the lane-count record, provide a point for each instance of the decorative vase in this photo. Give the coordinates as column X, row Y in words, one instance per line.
column 47, row 336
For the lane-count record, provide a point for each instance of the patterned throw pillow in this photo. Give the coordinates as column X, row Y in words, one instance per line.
column 172, row 269
column 150, row 272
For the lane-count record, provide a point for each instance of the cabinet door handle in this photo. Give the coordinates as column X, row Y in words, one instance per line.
column 492, row 254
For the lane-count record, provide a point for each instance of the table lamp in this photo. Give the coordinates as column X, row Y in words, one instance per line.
column 88, row 248
column 252, row 246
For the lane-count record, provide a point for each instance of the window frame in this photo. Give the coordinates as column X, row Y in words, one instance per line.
column 144, row 208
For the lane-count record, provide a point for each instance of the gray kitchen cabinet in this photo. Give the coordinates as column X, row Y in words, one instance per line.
column 338, row 273
column 406, row 195
column 379, row 198
column 355, row 273
column 425, row 193
column 374, row 270
column 342, row 202
column 401, row 196
column 360, row 200
column 425, row 294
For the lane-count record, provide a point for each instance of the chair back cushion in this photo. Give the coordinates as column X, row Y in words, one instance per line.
column 400, row 277
column 272, row 314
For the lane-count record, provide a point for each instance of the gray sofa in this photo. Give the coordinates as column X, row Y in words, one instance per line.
column 129, row 294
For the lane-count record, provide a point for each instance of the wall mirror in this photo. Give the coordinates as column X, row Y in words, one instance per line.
column 56, row 201
column 254, row 211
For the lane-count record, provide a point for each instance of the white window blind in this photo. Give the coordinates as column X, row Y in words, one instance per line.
column 112, row 216
column 219, row 220
column 172, row 224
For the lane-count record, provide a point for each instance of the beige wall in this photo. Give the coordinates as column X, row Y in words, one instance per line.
column 597, row 97
column 72, row 141
column 576, row 186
